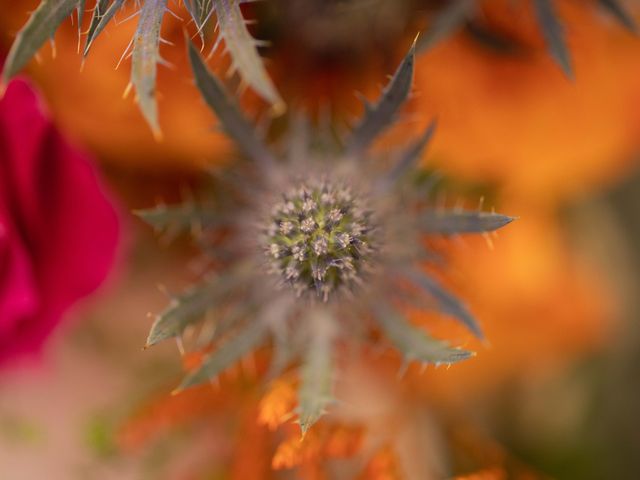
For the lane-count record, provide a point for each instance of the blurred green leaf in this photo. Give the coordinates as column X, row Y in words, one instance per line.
column 177, row 219
column 446, row 22
column 414, row 343
column 452, row 222
column 227, row 111
column 200, row 11
column 554, row 34
column 80, row 8
column 42, row 25
column 244, row 53
column 19, row 430
column 379, row 117
column 145, row 58
column 189, row 307
column 446, row 302
column 411, row 156
column 100, row 436
column 315, row 392
column 102, row 15
column 615, row 8
column 244, row 341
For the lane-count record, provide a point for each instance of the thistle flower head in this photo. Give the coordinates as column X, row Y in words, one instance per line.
column 319, row 237
column 339, row 231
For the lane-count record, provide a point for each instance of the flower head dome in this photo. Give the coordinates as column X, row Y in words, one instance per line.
column 322, row 245
column 320, row 237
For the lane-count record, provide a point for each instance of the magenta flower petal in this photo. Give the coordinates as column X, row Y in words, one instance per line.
column 58, row 229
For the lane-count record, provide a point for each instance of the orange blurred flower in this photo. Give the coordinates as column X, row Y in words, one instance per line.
column 509, row 115
column 383, row 466
column 276, row 406
column 311, row 453
column 488, row 474
column 160, row 415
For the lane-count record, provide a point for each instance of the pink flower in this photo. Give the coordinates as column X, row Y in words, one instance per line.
column 58, row 229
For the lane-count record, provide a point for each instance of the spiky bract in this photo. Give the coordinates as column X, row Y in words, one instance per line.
column 145, row 44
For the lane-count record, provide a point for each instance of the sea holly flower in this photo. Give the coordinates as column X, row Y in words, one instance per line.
column 316, row 247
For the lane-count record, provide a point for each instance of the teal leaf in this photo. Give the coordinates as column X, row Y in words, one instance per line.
column 446, row 22
column 244, row 53
column 379, row 117
column 80, row 8
column 189, row 307
column 553, row 33
column 316, row 386
column 284, row 352
column 102, row 15
column 40, row 27
column 410, row 158
column 200, row 11
column 452, row 222
column 144, row 63
column 228, row 319
column 178, row 219
column 248, row 338
column 414, row 343
column 227, row 111
column 445, row 301
column 620, row 13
